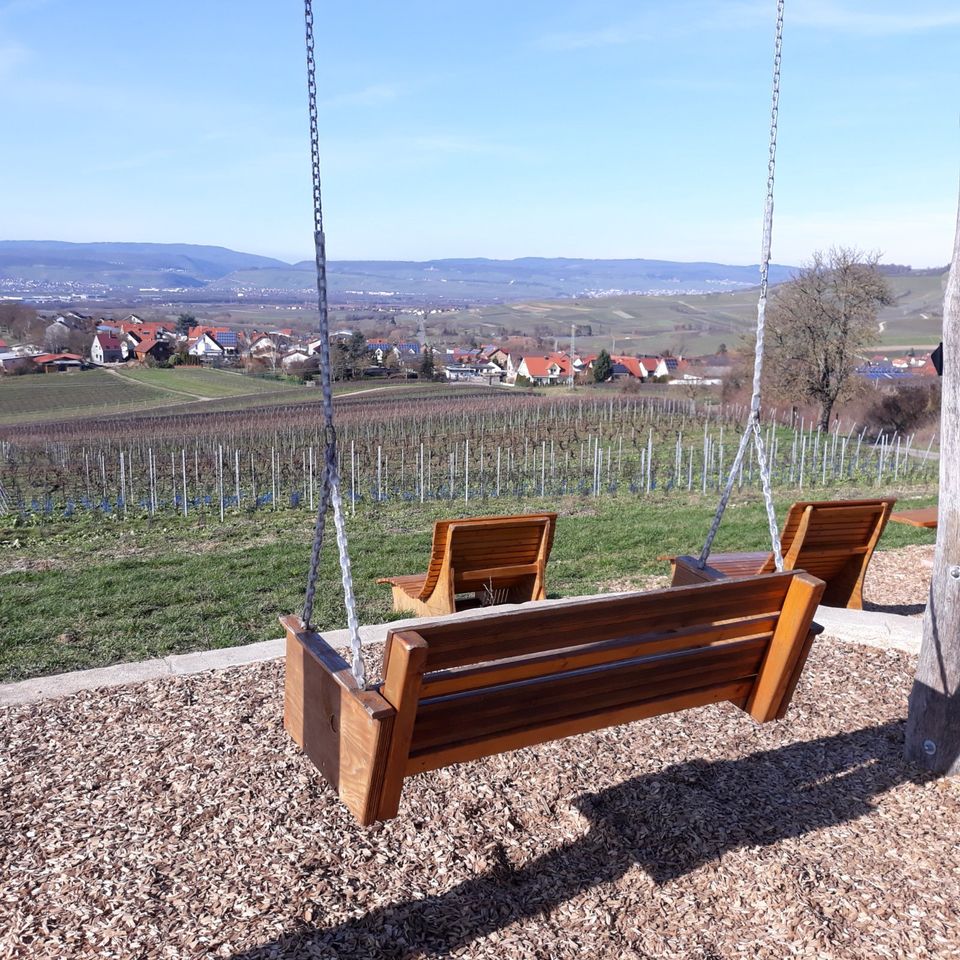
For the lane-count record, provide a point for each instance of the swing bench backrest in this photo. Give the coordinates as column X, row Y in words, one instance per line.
column 460, row 689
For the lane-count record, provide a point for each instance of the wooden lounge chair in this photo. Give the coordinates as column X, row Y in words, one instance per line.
column 831, row 539
column 467, row 687
column 496, row 559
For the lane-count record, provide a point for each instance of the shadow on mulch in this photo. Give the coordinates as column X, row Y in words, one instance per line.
column 904, row 609
column 669, row 823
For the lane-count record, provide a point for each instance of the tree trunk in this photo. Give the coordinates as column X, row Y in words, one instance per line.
column 933, row 724
column 825, row 412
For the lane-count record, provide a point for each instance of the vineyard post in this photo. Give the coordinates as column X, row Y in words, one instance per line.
column 220, row 477
column 183, row 467
column 123, row 484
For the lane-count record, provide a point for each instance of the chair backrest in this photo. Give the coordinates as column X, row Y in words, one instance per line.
column 464, row 689
column 475, row 546
column 834, row 540
column 881, row 507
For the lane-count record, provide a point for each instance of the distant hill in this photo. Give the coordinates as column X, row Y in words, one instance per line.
column 51, row 267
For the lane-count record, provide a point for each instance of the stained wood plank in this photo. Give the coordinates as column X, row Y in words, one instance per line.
column 493, row 710
column 570, row 726
column 344, row 730
column 591, row 654
column 783, row 663
column 401, row 689
column 456, row 643
column 927, row 517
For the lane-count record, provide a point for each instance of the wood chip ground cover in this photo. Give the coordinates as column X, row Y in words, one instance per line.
column 175, row 819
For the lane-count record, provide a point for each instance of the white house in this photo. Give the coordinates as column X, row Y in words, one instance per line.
column 263, row 348
column 206, row 346
column 108, row 348
column 294, row 357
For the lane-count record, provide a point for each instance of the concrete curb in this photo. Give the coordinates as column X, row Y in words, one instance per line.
column 872, row 628
column 855, row 626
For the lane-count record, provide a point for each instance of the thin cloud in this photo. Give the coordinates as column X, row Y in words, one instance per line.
column 12, row 57
column 371, row 96
column 612, row 36
column 865, row 18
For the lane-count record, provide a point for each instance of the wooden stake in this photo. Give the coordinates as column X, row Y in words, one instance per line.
column 933, row 723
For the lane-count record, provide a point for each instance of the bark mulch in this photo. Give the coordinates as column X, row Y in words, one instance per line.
column 898, row 581
column 175, row 819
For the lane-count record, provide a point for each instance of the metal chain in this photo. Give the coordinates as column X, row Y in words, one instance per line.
column 753, row 422
column 330, row 492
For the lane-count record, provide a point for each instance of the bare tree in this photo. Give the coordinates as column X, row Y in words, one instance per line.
column 819, row 324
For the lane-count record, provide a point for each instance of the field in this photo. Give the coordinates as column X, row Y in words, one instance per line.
column 188, row 526
column 94, row 591
column 424, row 444
column 202, row 383
column 106, row 393
column 695, row 324
column 177, row 392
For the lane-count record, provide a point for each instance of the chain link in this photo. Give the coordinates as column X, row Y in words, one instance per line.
column 330, row 491
column 753, row 422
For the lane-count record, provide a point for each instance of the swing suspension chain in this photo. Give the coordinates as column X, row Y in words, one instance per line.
column 330, row 482
column 752, row 431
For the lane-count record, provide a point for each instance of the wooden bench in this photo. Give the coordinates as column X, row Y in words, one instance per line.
column 927, row 517
column 830, row 539
column 463, row 688
column 496, row 559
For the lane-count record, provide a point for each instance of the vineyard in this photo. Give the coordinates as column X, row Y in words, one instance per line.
column 456, row 445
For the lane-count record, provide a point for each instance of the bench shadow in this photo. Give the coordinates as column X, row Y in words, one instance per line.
column 669, row 823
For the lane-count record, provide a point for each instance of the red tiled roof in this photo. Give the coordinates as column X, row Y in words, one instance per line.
column 540, row 366
column 141, row 330
column 55, row 357
column 108, row 341
column 633, row 366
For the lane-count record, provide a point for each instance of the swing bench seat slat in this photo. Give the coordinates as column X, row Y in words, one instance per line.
column 458, row 689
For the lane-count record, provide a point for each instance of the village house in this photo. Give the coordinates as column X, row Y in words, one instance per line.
column 108, row 348
column 263, row 347
column 206, row 346
column 294, row 358
column 150, row 349
column 546, row 370
column 59, row 362
column 484, row 370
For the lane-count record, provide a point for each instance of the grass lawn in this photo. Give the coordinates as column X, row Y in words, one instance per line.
column 84, row 593
column 204, row 383
column 56, row 396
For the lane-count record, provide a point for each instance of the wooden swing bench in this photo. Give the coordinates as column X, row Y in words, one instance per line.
column 830, row 539
column 467, row 687
column 496, row 559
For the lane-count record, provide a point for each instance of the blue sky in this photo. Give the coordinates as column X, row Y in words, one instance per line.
column 499, row 129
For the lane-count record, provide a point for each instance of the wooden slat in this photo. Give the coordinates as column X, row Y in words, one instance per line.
column 783, row 663
column 725, row 564
column 401, row 689
column 456, row 643
column 494, row 710
column 570, row 726
column 591, row 654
